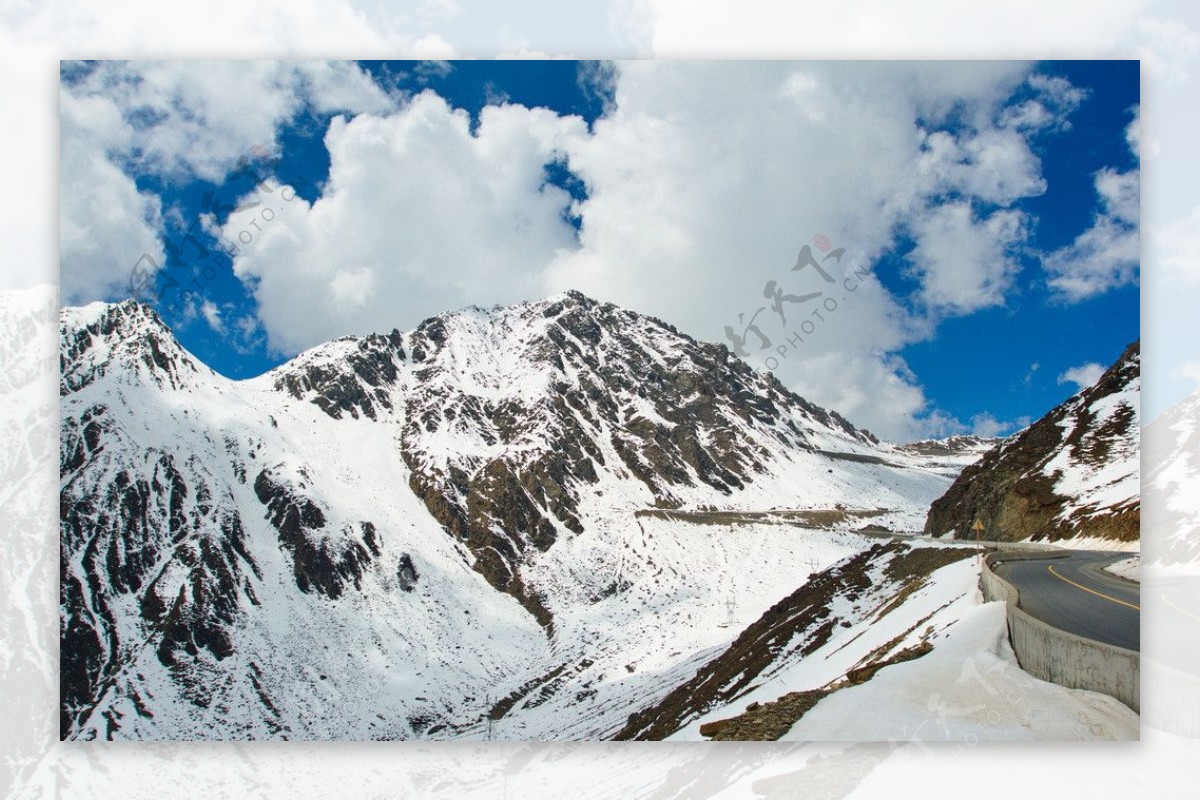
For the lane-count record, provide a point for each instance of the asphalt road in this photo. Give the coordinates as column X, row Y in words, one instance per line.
column 1074, row 594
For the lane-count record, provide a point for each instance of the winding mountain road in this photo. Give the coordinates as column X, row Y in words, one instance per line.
column 1074, row 593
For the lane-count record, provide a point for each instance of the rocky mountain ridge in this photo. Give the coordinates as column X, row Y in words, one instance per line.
column 1073, row 474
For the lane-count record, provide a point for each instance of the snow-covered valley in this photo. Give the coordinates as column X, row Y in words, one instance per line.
column 505, row 524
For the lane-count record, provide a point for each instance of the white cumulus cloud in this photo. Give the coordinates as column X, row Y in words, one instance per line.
column 703, row 182
column 178, row 120
column 419, row 215
column 1108, row 254
column 1054, row 100
column 109, row 231
column 199, row 118
column 966, row 263
column 1082, row 376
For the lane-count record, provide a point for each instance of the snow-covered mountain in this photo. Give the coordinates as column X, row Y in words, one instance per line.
column 460, row 531
column 1071, row 476
column 1172, row 486
column 28, row 504
column 955, row 451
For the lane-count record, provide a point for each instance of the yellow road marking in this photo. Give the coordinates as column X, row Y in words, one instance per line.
column 1178, row 608
column 1056, row 574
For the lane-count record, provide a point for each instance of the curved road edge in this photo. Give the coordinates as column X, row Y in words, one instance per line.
column 1052, row 654
column 1071, row 591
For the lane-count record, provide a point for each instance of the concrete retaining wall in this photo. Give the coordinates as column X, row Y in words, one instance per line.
column 1054, row 655
column 995, row 588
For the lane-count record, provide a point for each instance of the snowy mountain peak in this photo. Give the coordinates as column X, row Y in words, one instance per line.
column 118, row 321
column 350, row 376
column 570, row 297
column 954, row 444
column 374, row 499
column 516, row 417
column 100, row 336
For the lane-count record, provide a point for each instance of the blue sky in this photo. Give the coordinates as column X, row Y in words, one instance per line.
column 994, row 204
column 1035, row 337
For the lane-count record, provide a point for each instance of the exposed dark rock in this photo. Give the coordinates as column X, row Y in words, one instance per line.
column 406, row 573
column 135, row 534
column 82, row 654
column 1009, row 491
column 769, row 721
column 320, row 562
column 355, row 386
column 603, row 364
column 202, row 613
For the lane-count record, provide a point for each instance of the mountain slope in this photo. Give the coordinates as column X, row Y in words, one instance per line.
column 1073, row 474
column 430, row 533
column 28, row 575
column 1172, row 457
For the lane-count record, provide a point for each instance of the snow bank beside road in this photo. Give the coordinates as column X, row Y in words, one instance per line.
column 1130, row 568
column 969, row 688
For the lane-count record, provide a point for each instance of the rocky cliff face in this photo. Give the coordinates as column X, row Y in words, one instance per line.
column 389, row 534
column 1072, row 474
